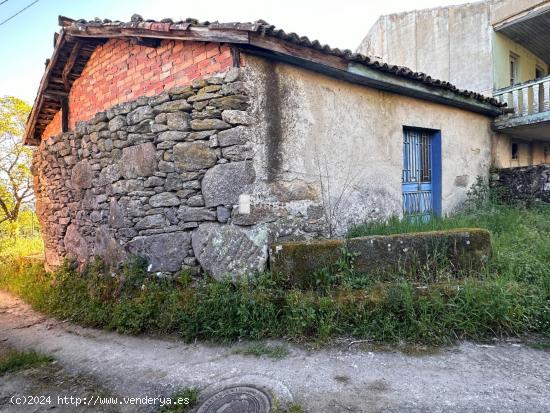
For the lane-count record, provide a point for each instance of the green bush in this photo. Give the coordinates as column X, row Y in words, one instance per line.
column 12, row 248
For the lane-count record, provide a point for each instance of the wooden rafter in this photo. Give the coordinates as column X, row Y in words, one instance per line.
column 69, row 65
column 202, row 34
column 30, row 135
column 64, row 114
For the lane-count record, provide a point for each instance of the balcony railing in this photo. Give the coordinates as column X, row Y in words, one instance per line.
column 526, row 98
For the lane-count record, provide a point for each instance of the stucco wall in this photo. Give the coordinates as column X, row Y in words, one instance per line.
column 454, row 43
column 345, row 141
column 449, row 43
column 504, row 9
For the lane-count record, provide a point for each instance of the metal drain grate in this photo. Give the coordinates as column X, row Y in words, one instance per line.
column 238, row 399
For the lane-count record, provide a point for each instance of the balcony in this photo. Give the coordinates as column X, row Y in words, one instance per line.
column 528, row 114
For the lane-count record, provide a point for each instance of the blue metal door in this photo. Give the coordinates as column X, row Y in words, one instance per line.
column 416, row 179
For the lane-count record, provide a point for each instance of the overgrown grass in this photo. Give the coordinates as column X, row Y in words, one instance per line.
column 12, row 248
column 540, row 346
column 258, row 308
column 19, row 360
column 262, row 349
column 512, row 297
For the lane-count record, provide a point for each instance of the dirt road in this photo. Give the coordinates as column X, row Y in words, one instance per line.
column 505, row 377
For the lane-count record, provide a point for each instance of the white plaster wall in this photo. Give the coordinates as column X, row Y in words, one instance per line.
column 502, row 151
column 432, row 40
column 349, row 137
column 470, row 48
column 449, row 43
column 374, row 43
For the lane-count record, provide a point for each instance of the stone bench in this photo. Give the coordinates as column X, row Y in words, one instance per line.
column 462, row 251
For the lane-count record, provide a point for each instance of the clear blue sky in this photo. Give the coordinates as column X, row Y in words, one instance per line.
column 27, row 40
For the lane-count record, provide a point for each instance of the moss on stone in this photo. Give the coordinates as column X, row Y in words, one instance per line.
column 417, row 257
column 298, row 259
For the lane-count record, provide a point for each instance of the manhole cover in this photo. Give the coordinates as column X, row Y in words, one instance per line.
column 238, row 399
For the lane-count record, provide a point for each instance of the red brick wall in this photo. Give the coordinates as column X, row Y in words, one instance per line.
column 54, row 127
column 119, row 71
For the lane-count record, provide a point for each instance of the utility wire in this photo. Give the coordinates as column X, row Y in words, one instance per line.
column 2, row 2
column 19, row 12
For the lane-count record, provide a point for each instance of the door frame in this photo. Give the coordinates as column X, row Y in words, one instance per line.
column 436, row 164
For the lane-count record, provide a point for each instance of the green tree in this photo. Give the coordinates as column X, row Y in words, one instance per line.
column 15, row 159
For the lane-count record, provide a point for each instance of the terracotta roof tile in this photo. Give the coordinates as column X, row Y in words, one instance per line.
column 259, row 27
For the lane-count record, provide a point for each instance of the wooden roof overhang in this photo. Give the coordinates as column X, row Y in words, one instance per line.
column 62, row 69
column 77, row 40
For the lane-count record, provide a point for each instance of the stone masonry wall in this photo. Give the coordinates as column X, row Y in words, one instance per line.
column 526, row 184
column 168, row 178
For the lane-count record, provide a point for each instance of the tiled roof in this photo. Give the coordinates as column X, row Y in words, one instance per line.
column 266, row 29
column 78, row 38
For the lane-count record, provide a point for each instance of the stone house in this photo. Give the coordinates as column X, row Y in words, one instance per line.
column 196, row 145
column 500, row 48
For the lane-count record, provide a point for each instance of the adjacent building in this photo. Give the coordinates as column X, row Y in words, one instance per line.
column 499, row 48
column 196, row 145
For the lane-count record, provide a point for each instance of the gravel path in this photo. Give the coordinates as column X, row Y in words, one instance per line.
column 506, row 377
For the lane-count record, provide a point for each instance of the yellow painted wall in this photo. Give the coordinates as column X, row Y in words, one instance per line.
column 527, row 62
column 529, row 153
column 541, row 152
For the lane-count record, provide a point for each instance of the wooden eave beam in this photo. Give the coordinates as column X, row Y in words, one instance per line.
column 29, row 136
column 69, row 65
column 389, row 82
column 282, row 47
column 202, row 34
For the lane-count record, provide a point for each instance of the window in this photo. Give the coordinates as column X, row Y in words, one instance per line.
column 515, row 151
column 513, row 69
column 417, row 156
column 539, row 72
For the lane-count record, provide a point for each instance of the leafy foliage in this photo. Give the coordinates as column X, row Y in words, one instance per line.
column 15, row 174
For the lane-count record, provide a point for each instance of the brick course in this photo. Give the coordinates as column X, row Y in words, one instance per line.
column 54, row 127
column 120, row 71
